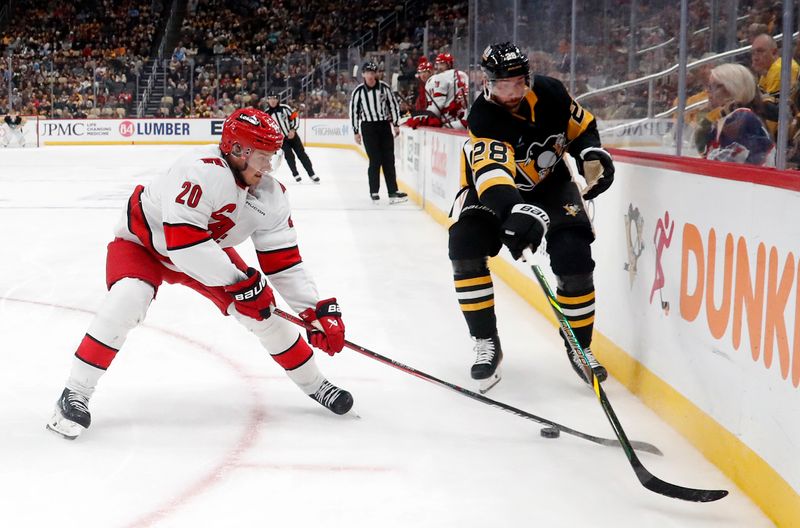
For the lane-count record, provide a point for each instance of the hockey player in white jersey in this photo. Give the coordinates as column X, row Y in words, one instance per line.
column 447, row 93
column 12, row 132
column 181, row 229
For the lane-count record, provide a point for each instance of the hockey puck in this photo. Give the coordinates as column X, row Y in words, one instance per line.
column 550, row 432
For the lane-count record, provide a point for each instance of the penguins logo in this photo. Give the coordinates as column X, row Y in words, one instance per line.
column 544, row 156
column 633, row 220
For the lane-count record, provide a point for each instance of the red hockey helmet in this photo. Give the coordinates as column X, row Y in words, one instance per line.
column 249, row 129
column 445, row 58
column 424, row 65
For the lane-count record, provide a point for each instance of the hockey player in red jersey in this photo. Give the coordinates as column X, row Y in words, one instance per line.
column 181, row 229
column 424, row 71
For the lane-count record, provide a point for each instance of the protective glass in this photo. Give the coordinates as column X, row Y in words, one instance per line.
column 265, row 161
column 508, row 90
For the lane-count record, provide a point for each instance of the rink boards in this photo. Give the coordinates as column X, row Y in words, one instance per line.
column 698, row 288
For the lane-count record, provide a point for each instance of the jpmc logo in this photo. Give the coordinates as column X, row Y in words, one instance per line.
column 64, row 129
column 126, row 128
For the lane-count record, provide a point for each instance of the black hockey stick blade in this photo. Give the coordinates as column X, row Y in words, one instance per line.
column 647, row 479
column 610, row 442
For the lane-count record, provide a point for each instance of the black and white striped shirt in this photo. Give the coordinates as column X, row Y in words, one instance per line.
column 373, row 104
column 286, row 117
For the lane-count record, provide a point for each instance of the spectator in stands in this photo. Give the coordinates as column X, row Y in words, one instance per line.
column 767, row 64
column 734, row 133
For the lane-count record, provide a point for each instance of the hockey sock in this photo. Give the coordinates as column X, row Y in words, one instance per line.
column 288, row 349
column 476, row 297
column 579, row 310
column 123, row 308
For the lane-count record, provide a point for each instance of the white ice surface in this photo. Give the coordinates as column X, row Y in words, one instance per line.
column 194, row 425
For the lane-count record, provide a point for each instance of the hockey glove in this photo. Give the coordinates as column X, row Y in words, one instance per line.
column 328, row 332
column 524, row 227
column 251, row 296
column 597, row 167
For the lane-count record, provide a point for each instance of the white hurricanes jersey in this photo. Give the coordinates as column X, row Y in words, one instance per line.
column 187, row 215
column 444, row 88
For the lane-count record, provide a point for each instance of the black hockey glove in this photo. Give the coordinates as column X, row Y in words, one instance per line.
column 524, row 227
column 597, row 167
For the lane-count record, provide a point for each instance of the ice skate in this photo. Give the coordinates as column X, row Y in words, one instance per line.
column 339, row 401
column 397, row 197
column 314, row 178
column 375, row 198
column 579, row 367
column 71, row 415
column 297, row 178
column 486, row 368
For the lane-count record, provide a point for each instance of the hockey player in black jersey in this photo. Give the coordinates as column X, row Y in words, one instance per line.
column 517, row 190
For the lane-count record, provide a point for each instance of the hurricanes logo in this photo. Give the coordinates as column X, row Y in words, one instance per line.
column 542, row 157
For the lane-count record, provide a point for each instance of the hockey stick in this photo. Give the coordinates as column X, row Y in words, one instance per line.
column 647, row 479
column 642, row 446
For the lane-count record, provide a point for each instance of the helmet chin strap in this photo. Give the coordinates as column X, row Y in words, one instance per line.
column 236, row 152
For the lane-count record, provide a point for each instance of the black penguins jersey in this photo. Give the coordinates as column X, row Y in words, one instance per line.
column 509, row 153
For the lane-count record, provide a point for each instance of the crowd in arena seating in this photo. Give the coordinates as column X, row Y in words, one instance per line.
column 76, row 59
column 89, row 58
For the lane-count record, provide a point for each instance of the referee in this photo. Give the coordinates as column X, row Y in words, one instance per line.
column 374, row 113
column 287, row 120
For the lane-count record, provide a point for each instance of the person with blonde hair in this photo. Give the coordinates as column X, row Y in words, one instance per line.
column 734, row 132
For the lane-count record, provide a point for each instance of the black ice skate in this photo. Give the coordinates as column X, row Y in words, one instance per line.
column 375, row 198
column 397, row 197
column 314, row 178
column 579, row 367
column 297, row 178
column 71, row 415
column 486, row 368
column 339, row 401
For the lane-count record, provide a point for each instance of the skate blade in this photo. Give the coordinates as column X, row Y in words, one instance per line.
column 393, row 201
column 64, row 428
column 485, row 385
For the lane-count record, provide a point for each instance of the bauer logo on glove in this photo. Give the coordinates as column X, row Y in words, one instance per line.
column 524, row 228
column 251, row 295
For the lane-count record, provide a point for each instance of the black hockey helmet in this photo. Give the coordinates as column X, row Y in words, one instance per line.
column 369, row 66
column 504, row 60
column 272, row 92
